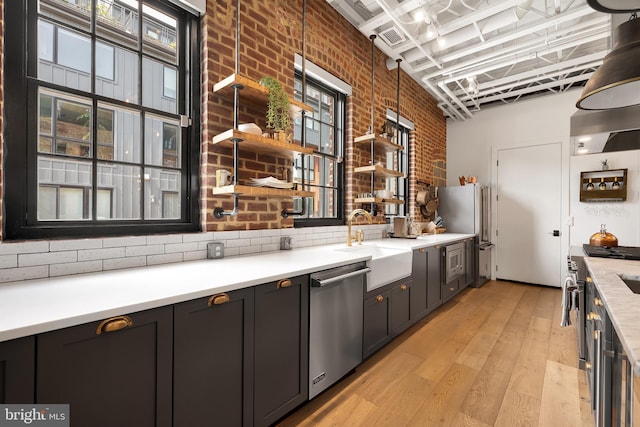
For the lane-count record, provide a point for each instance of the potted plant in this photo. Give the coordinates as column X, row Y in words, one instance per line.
column 278, row 114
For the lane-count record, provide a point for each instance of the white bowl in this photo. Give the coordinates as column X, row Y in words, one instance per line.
column 251, row 128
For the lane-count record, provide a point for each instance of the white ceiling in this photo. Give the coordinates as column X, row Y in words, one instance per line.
column 472, row 53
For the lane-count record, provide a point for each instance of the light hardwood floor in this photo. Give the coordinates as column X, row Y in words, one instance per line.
column 493, row 356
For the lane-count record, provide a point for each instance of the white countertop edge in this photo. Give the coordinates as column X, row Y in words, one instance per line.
column 621, row 303
column 41, row 305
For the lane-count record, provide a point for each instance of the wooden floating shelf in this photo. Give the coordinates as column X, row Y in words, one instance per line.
column 379, row 171
column 252, row 89
column 259, row 144
column 379, row 201
column 379, row 142
column 248, row 190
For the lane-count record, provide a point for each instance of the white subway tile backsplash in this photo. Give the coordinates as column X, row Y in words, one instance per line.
column 144, row 250
column 93, row 254
column 195, row 255
column 75, row 268
column 236, row 243
column 124, row 241
column 27, row 260
column 70, row 245
column 24, row 247
column 24, row 273
column 171, row 238
column 8, row 261
column 128, row 262
column 39, row 259
column 198, row 237
column 164, row 259
column 180, row 247
column 257, row 241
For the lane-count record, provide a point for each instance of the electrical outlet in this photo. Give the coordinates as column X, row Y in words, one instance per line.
column 215, row 250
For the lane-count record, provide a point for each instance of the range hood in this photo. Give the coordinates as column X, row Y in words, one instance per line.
column 609, row 130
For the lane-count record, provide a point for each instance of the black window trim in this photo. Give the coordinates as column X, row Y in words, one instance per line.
column 301, row 222
column 17, row 137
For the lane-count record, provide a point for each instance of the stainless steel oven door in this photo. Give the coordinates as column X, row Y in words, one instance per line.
column 454, row 261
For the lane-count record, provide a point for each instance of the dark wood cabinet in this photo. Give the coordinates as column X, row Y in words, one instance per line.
column 400, row 314
column 451, row 288
column 377, row 330
column 419, row 291
column 280, row 348
column 435, row 258
column 213, row 360
column 387, row 313
column 470, row 261
column 17, row 369
column 117, row 372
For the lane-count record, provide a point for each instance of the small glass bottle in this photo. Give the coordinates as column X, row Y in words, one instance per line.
column 602, row 185
column 616, row 184
column 590, row 185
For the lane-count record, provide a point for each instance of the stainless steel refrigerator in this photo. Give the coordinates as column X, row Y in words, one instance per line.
column 465, row 209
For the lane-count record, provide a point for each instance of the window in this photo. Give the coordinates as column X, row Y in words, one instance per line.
column 398, row 161
column 323, row 172
column 102, row 102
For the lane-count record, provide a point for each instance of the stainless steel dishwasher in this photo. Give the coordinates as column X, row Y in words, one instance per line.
column 335, row 324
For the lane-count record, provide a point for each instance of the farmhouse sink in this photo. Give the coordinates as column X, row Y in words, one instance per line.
column 632, row 282
column 387, row 264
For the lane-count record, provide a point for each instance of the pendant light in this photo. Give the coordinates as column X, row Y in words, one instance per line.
column 614, row 6
column 616, row 83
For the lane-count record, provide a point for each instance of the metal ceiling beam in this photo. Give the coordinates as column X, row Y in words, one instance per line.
column 583, row 62
column 384, row 18
column 518, row 59
column 535, row 88
column 530, row 47
column 513, row 35
column 464, row 96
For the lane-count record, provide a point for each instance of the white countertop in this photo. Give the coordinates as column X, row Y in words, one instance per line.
column 36, row 306
column 621, row 304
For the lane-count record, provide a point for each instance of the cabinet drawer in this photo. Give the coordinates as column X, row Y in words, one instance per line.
column 450, row 289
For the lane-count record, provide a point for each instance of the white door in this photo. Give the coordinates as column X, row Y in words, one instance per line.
column 529, row 191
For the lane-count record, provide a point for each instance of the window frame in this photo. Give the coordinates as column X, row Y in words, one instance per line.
column 20, row 192
column 403, row 159
column 338, row 157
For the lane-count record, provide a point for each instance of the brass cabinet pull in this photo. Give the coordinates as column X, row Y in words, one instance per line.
column 284, row 283
column 588, row 366
column 593, row 316
column 403, row 287
column 597, row 301
column 379, row 298
column 589, row 279
column 218, row 299
column 451, row 289
column 422, row 250
column 114, row 324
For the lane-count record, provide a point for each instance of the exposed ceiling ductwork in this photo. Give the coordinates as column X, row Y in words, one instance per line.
column 470, row 54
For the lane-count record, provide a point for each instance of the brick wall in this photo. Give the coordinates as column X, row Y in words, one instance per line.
column 271, row 34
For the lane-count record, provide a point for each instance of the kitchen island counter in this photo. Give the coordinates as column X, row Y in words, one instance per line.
column 35, row 306
column 621, row 303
